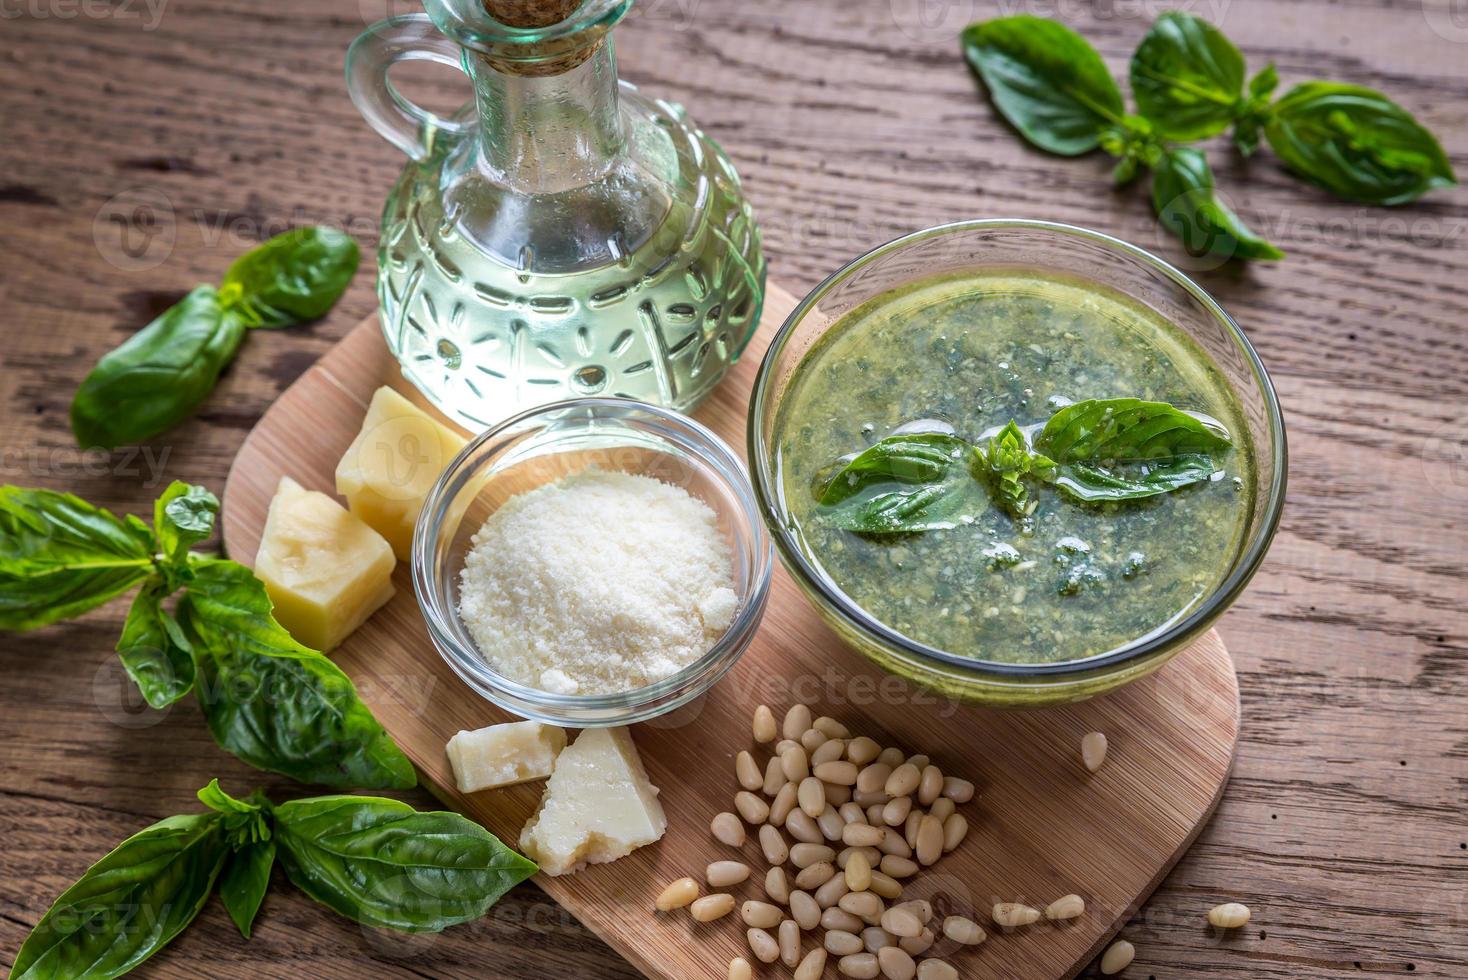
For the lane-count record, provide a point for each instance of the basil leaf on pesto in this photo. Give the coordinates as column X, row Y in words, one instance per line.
column 1007, row 460
column 925, row 457
column 904, row 483
column 1102, row 429
column 1092, row 483
column 935, row 507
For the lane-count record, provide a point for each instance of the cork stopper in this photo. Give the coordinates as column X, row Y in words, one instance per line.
column 553, row 57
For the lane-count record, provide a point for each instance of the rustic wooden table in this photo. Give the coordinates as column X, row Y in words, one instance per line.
column 146, row 143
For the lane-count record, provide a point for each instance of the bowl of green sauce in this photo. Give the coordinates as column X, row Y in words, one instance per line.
column 1019, row 462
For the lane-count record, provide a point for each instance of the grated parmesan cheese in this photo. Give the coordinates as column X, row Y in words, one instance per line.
column 597, row 583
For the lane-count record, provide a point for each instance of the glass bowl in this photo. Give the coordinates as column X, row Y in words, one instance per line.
column 555, row 441
column 1018, row 245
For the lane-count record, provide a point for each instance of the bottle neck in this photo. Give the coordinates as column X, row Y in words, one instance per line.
column 544, row 134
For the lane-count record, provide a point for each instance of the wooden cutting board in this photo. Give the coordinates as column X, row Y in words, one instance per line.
column 1042, row 826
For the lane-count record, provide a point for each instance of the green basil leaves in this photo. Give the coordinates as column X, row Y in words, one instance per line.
column 1099, row 450
column 1189, row 83
column 158, row 376
column 379, row 862
column 272, row 702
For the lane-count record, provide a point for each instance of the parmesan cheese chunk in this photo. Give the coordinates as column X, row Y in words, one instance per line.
column 598, row 805
column 502, row 755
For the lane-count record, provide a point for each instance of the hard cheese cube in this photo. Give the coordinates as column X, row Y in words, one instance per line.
column 598, row 805
column 324, row 570
column 502, row 755
column 391, row 465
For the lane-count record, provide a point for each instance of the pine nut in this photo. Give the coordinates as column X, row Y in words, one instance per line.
column 804, row 855
column 777, row 886
column 783, row 744
column 862, row 835
column 901, row 921
column 930, row 787
column 895, row 844
column 885, row 885
column 831, row 727
column 873, row 797
column 929, row 847
column 753, row 809
column 815, row 876
column 795, row 763
column 722, row 874
column 894, row 814
column 802, row 827
column 831, row 824
column 875, row 938
column 918, row 761
column 859, row 966
column 904, row 780
column 678, row 894
column 762, row 945
column 910, row 827
column 813, row 966
column 841, row 920
column 774, row 777
column 1065, row 907
column 837, row 794
column 739, row 969
column 842, row 773
column 936, row 970
column 804, row 910
column 871, row 854
column 874, row 813
column 842, row 943
column 831, row 751
column 1118, row 957
column 1013, row 914
column 763, row 725
column 898, row 867
column 812, row 796
column 917, row 945
column 772, row 843
column 1093, row 750
column 852, row 813
column 955, row 829
column 783, row 802
column 760, row 915
column 1230, row 915
column 789, row 940
column 862, row 750
column 727, row 829
column 797, row 721
column 896, row 964
column 748, row 772
column 964, row 931
column 920, row 907
column 812, row 739
column 942, row 808
column 864, row 905
column 873, row 778
column 711, row 907
column 958, row 790
column 858, row 872
column 830, row 893
column 892, row 757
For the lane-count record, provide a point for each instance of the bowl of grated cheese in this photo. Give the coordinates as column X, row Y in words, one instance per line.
column 592, row 562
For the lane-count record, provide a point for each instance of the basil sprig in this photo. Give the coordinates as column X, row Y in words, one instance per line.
column 268, row 700
column 160, row 374
column 376, row 861
column 1189, row 84
column 1103, row 449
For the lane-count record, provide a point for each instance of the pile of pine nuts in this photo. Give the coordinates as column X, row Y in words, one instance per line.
column 863, row 820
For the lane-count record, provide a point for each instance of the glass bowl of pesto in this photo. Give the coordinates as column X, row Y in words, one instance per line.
column 592, row 562
column 1018, row 462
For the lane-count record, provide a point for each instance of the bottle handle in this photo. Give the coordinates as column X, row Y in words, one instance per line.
column 402, row 122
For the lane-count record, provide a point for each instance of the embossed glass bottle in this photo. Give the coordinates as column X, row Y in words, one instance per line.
column 566, row 234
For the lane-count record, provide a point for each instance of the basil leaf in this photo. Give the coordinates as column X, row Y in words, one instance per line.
column 1182, row 194
column 272, row 702
column 1356, row 144
column 382, row 863
column 1046, row 80
column 924, row 457
column 290, row 279
column 245, row 881
column 1090, row 483
column 60, row 556
column 153, row 649
column 934, row 507
column 1187, row 77
column 1007, row 460
column 183, row 517
column 1255, row 112
column 1106, row 429
column 158, row 376
column 128, row 905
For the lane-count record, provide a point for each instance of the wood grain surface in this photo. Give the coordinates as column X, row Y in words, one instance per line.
column 1037, row 824
column 212, row 124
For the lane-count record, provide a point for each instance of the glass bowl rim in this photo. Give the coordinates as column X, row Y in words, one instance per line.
column 1162, row 638
column 638, row 704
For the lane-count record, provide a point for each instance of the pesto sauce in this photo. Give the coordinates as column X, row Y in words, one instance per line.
column 972, row 353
